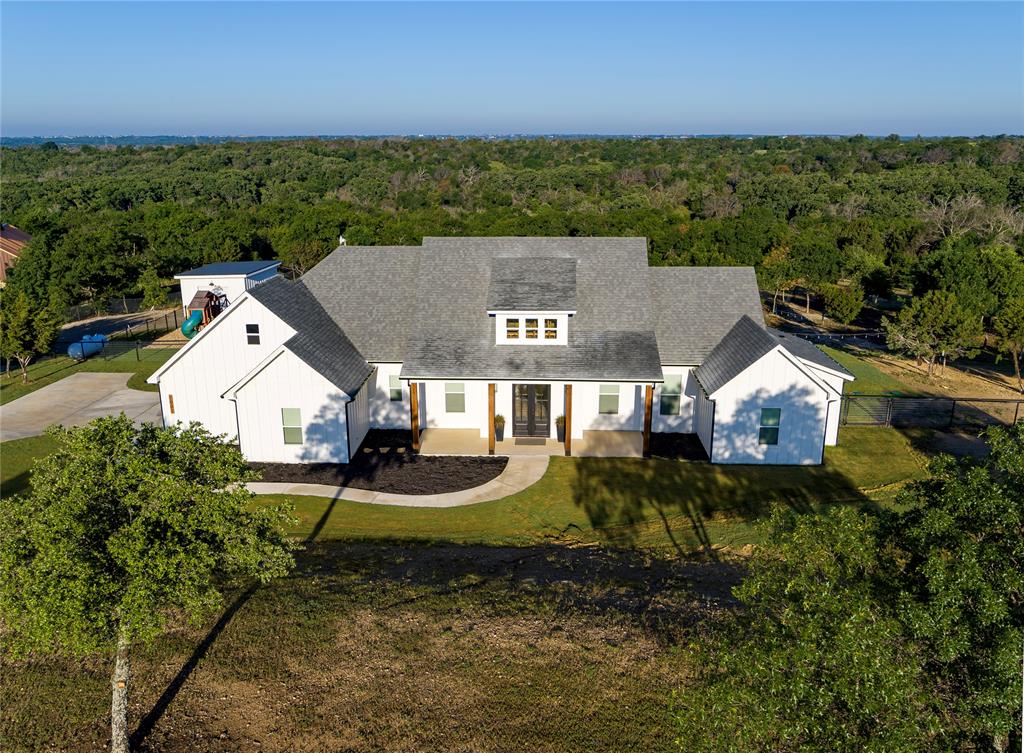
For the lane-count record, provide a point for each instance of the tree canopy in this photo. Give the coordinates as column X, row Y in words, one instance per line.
column 125, row 528
column 871, row 212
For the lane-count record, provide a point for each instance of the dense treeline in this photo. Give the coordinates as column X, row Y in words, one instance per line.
column 870, row 214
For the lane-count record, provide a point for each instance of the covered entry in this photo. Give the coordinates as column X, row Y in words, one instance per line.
column 531, row 410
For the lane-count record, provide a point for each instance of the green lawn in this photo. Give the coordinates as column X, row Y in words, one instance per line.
column 54, row 369
column 658, row 504
column 870, row 381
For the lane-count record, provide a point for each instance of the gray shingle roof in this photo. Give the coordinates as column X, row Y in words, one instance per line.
column 223, row 268
column 452, row 336
column 692, row 308
column 595, row 356
column 426, row 306
column 742, row 346
column 370, row 291
column 318, row 340
column 807, row 350
column 541, row 285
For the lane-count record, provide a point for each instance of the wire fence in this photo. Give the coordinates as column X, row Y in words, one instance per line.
column 138, row 329
column 968, row 413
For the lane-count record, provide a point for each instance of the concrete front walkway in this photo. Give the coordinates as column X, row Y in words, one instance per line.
column 521, row 472
column 76, row 400
column 593, row 444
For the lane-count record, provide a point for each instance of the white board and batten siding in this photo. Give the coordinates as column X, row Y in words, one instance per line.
column 683, row 421
column 385, row 413
column 218, row 357
column 774, row 381
column 231, row 285
column 357, row 414
column 835, row 382
column 286, row 382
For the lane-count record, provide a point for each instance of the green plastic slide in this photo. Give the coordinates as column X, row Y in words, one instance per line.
column 191, row 325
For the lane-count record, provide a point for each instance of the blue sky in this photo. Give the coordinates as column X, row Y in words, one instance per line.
column 334, row 68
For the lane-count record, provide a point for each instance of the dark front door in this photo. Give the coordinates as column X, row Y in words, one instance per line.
column 531, row 407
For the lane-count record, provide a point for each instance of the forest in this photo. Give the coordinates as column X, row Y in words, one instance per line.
column 860, row 216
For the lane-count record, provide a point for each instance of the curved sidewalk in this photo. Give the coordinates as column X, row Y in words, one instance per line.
column 522, row 471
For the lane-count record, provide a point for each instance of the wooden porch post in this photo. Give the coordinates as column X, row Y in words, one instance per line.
column 648, row 410
column 568, row 420
column 490, row 419
column 414, row 408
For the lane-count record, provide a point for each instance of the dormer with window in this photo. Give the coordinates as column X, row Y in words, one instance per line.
column 532, row 300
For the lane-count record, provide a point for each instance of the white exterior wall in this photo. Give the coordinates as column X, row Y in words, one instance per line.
column 385, row 413
column 287, row 382
column 433, row 414
column 358, row 417
column 232, row 285
column 585, row 414
column 772, row 382
column 214, row 361
column 832, row 423
column 682, row 423
column 587, row 417
column 704, row 419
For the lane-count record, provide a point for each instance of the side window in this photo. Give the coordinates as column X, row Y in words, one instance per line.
column 395, row 387
column 252, row 334
column 608, row 399
column 671, row 392
column 550, row 329
column 291, row 422
column 455, row 397
column 768, row 431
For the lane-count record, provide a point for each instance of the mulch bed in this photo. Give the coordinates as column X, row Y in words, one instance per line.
column 677, row 447
column 386, row 463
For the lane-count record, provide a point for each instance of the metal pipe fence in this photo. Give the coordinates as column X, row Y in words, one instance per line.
column 970, row 413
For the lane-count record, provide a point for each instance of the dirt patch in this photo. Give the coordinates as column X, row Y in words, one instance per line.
column 386, row 462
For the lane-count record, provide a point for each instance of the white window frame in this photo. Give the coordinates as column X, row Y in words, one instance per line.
column 763, row 427
column 395, row 385
column 454, row 389
column 285, row 426
column 515, row 321
column 608, row 391
column 677, row 395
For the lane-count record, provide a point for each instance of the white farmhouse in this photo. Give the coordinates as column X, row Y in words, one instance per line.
column 441, row 339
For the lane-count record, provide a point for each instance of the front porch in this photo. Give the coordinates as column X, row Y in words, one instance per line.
column 608, row 444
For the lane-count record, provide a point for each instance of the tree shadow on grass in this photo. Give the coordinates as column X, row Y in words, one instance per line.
column 149, row 721
column 633, row 502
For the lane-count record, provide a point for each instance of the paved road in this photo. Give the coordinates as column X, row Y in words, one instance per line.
column 76, row 400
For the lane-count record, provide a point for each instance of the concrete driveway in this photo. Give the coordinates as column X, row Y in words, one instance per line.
column 76, row 400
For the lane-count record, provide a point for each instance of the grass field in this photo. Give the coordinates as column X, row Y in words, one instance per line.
column 870, row 380
column 663, row 505
column 51, row 370
column 547, row 621
column 412, row 648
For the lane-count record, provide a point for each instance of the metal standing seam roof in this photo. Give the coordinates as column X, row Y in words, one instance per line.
column 318, row 340
column 228, row 268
